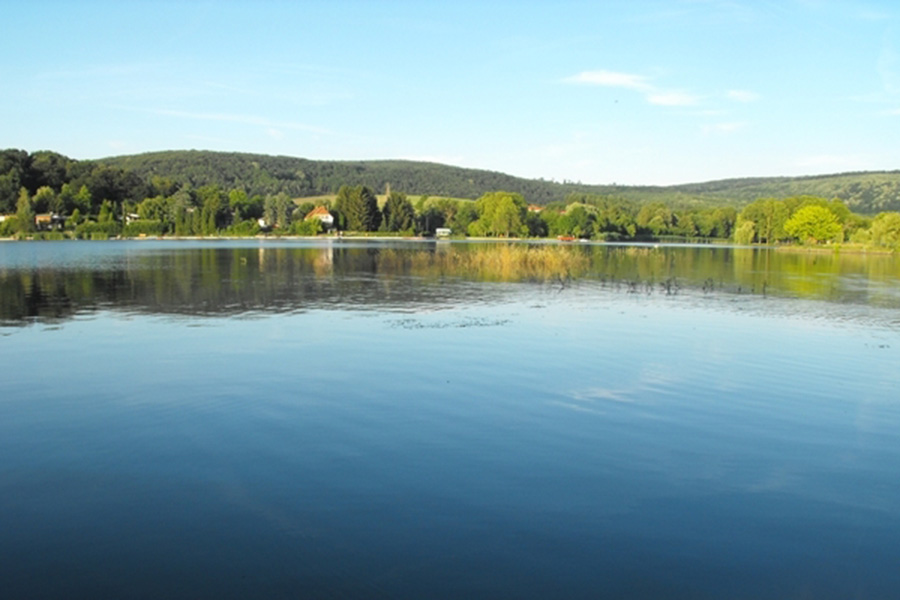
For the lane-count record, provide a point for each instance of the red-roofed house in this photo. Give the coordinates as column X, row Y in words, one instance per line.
column 321, row 213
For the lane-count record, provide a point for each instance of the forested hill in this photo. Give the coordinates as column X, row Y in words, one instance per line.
column 866, row 193
column 298, row 177
column 135, row 176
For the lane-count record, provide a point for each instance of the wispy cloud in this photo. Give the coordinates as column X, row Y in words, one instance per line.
column 638, row 83
column 605, row 78
column 742, row 95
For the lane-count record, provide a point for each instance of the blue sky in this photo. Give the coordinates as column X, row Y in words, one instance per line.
column 600, row 92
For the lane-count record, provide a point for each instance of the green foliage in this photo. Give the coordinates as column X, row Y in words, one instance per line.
column 246, row 228
column 73, row 221
column 83, row 200
column 307, row 227
column 214, row 212
column 44, row 200
column 47, row 169
column 745, row 233
column 768, row 216
column 464, row 215
column 106, row 212
column 116, row 185
column 814, row 224
column 500, row 214
column 277, row 211
column 49, row 235
column 357, row 208
column 885, row 230
column 536, row 226
column 24, row 213
column 204, row 193
column 91, row 230
column 304, row 208
column 9, row 227
column 429, row 220
column 398, row 213
column 151, row 227
column 243, row 207
column 133, row 178
column 656, row 219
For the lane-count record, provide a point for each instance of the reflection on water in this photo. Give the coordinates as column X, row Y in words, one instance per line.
column 57, row 280
column 415, row 420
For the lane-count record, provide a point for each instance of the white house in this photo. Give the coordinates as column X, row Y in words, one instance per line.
column 321, row 213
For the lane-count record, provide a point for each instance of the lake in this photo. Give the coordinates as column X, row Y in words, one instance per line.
column 361, row 419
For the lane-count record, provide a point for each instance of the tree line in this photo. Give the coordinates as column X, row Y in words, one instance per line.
column 98, row 200
column 164, row 172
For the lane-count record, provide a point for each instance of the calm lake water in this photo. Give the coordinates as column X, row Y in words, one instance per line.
column 440, row 420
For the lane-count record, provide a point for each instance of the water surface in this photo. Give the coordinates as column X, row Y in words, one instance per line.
column 350, row 420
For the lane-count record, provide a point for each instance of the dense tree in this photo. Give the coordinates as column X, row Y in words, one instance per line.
column 44, row 200
column 115, row 185
column 24, row 212
column 429, row 220
column 83, row 200
column 277, row 210
column 655, row 219
column 745, row 232
column 181, row 208
column 160, row 188
column 358, row 208
column 107, row 212
column 47, row 169
column 768, row 216
column 13, row 173
column 813, row 224
column 214, row 209
column 500, row 214
column 10, row 184
column 536, row 226
column 465, row 215
column 398, row 213
column 885, row 230
column 243, row 207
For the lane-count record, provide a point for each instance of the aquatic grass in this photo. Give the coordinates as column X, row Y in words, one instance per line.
column 501, row 262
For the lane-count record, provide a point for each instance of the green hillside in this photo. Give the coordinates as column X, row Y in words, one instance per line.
column 867, row 193
column 133, row 177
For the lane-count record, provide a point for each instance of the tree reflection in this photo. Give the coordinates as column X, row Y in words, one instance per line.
column 221, row 279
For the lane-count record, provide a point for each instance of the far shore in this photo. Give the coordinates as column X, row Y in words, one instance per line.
column 843, row 248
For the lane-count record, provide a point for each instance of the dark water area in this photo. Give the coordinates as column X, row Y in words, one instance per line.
column 407, row 420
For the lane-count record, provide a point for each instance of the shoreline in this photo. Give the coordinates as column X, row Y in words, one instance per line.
column 783, row 248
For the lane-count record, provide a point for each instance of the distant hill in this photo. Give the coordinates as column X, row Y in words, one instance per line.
column 263, row 174
column 131, row 177
column 867, row 193
column 864, row 192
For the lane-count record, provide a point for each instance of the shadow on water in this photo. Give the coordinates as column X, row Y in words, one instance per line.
column 58, row 281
